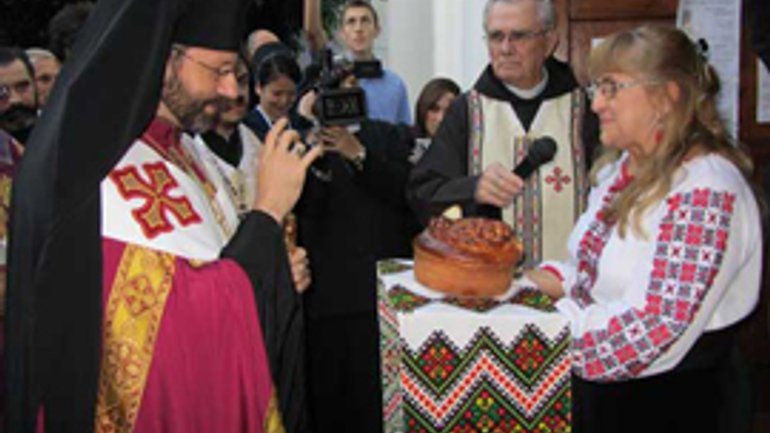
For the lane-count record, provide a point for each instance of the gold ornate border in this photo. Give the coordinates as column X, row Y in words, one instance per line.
column 132, row 320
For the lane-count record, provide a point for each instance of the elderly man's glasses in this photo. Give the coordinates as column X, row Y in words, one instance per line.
column 609, row 88
column 220, row 72
column 498, row 38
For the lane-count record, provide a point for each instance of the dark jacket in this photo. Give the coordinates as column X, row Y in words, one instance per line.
column 440, row 179
column 357, row 218
column 259, row 125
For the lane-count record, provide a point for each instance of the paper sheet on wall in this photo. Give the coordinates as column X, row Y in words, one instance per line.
column 719, row 23
column 763, row 93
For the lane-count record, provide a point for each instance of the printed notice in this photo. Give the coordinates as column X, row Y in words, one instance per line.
column 718, row 22
column 763, row 93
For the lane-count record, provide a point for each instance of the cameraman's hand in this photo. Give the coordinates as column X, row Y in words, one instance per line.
column 282, row 171
column 339, row 139
column 305, row 105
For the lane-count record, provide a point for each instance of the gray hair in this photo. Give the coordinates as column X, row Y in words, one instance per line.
column 36, row 54
column 545, row 12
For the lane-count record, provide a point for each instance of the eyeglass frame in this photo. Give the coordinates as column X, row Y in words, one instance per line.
column 220, row 72
column 515, row 36
column 596, row 87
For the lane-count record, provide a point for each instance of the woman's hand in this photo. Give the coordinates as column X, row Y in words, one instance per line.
column 546, row 282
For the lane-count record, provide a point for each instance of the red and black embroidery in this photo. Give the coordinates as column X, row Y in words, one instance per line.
column 593, row 243
column 151, row 216
column 687, row 257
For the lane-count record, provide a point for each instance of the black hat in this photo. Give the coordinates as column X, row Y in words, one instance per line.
column 215, row 24
column 106, row 95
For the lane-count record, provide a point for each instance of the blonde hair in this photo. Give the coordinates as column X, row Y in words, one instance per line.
column 662, row 55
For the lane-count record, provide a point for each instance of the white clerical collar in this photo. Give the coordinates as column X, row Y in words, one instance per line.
column 265, row 116
column 530, row 93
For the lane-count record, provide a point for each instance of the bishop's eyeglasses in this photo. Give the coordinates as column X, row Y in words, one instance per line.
column 220, row 72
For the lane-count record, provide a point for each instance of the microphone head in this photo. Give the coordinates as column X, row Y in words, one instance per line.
column 541, row 151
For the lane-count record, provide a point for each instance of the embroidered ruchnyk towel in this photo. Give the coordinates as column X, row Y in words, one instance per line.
column 459, row 364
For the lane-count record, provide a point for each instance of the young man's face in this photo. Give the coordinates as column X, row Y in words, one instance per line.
column 358, row 31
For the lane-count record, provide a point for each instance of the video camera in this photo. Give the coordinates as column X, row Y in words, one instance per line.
column 337, row 105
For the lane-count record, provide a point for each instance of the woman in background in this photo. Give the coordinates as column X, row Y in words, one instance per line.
column 276, row 77
column 434, row 99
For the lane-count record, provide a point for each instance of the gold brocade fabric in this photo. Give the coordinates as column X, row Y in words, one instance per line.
column 5, row 204
column 132, row 320
column 273, row 421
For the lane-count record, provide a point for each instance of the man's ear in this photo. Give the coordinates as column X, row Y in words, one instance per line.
column 168, row 71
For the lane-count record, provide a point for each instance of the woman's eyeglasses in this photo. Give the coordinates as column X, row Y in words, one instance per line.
column 609, row 88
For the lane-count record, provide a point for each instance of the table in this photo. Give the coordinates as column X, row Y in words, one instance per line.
column 468, row 364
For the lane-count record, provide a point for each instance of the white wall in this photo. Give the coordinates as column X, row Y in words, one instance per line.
column 422, row 39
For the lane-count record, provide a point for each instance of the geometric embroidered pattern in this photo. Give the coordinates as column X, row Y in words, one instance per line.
column 593, row 242
column 405, row 301
column 528, row 209
column 488, row 386
column 390, row 359
column 579, row 107
column 689, row 248
column 132, row 320
column 388, row 267
column 151, row 216
column 517, row 384
column 533, row 298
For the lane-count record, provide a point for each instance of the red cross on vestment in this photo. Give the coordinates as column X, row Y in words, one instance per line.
column 152, row 215
column 558, row 179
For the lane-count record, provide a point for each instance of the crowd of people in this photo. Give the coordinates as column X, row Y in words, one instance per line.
column 192, row 244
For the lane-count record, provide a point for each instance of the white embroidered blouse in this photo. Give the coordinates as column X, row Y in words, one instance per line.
column 636, row 306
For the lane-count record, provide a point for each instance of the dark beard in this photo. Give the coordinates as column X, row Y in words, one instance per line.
column 18, row 121
column 190, row 111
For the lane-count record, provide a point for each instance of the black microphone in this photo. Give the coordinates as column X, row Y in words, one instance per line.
column 540, row 152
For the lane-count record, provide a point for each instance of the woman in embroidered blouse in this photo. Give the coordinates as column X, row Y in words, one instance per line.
column 667, row 258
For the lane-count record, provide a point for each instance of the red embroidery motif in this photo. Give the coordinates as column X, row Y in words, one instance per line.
column 152, row 215
column 688, row 253
column 558, row 179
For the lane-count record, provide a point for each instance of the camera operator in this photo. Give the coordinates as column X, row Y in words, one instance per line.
column 347, row 222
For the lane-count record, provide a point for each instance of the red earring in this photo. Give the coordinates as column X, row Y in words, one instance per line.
column 658, row 136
